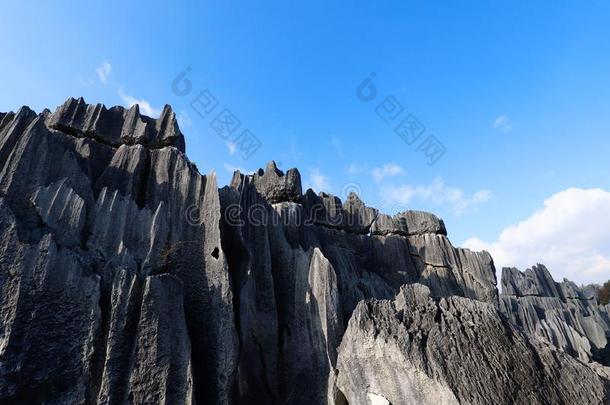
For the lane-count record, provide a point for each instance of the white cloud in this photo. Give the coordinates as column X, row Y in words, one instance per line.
column 335, row 142
column 436, row 193
column 145, row 106
column 231, row 169
column 355, row 169
column 103, row 71
column 387, row 170
column 85, row 82
column 317, row 181
column 503, row 123
column 184, row 119
column 291, row 152
column 570, row 235
column 232, row 146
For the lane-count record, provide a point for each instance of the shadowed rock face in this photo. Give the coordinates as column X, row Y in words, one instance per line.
column 128, row 277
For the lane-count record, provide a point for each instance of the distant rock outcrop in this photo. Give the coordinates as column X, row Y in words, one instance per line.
column 126, row 276
column 409, row 223
column 562, row 314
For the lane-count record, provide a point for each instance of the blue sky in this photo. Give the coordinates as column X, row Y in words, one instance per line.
column 518, row 94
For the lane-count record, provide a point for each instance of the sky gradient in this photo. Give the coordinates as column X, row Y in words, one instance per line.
column 518, row 95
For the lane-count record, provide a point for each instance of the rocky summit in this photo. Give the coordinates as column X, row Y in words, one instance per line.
column 127, row 277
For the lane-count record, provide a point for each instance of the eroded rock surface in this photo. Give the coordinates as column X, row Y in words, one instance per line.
column 129, row 277
column 562, row 314
column 409, row 223
column 117, row 126
column 273, row 184
column 301, row 267
column 99, row 209
column 419, row 350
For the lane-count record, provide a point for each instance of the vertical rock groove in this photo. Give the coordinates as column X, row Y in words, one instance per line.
column 126, row 276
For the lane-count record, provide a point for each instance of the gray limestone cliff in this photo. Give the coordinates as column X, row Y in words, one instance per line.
column 126, row 276
column 108, row 294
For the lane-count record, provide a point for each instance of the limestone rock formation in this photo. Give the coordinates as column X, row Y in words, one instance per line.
column 273, row 184
column 420, row 350
column 562, row 314
column 327, row 210
column 126, row 276
column 117, row 126
column 90, row 196
column 163, row 376
column 409, row 223
column 453, row 271
column 49, row 317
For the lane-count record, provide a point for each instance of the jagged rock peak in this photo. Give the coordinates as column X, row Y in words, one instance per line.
column 117, row 126
column 358, row 217
column 328, row 210
column 273, row 184
column 409, row 223
column 539, row 282
column 86, row 193
column 563, row 314
column 129, row 276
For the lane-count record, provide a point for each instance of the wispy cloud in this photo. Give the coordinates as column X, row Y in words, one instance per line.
column 336, row 144
column 387, row 170
column 145, row 106
column 503, row 123
column 356, row 169
column 85, row 82
column 232, row 146
column 103, row 71
column 291, row 152
column 436, row 193
column 184, row 119
column 231, row 169
column 554, row 236
column 318, row 181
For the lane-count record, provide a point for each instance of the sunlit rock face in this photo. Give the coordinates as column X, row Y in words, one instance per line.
column 108, row 294
column 417, row 349
column 563, row 314
column 129, row 277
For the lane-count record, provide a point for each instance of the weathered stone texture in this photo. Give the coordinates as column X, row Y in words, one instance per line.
column 126, row 276
column 420, row 350
column 562, row 314
column 95, row 307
